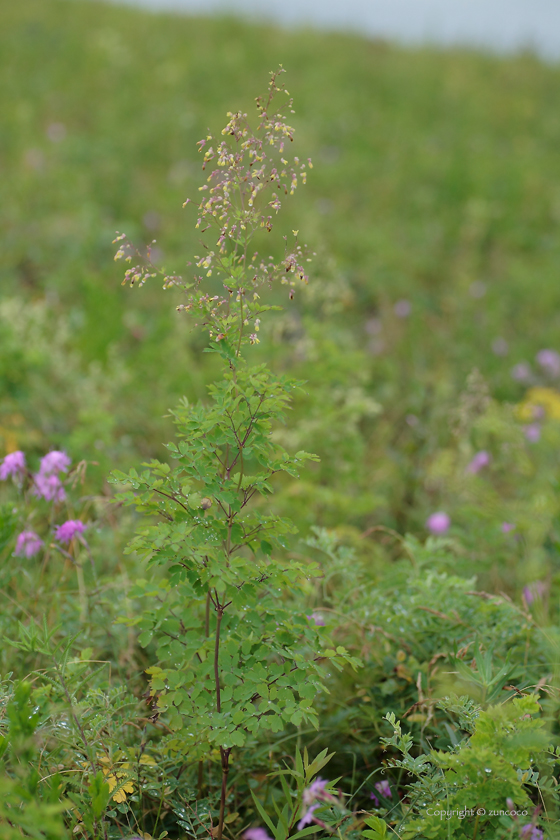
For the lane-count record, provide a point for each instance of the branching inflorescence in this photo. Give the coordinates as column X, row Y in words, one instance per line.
column 237, row 653
column 240, row 199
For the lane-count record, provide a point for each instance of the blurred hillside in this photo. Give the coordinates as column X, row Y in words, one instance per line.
column 433, row 206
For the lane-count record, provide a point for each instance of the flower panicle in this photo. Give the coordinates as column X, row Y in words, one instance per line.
column 145, row 267
column 249, row 173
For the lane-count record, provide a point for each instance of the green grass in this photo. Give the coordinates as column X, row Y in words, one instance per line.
column 436, row 180
column 434, row 171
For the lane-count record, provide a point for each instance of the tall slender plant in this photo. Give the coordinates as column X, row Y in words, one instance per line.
column 237, row 654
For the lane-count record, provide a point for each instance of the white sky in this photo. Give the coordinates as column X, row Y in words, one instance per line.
column 500, row 24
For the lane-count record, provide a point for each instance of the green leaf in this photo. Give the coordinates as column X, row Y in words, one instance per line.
column 145, row 638
column 194, row 500
column 378, row 828
column 263, row 813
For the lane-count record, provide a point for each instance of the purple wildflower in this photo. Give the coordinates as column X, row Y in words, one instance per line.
column 317, row 618
column 55, row 462
column 438, row 523
column 47, row 483
column 522, row 372
column 549, row 360
column 384, row 788
column 307, row 818
column 531, row 832
column 48, row 487
column 402, row 308
column 537, row 412
column 535, row 591
column 375, row 799
column 507, row 527
column 316, row 794
column 256, row 834
column 480, row 460
column 66, row 532
column 28, row 544
column 316, row 790
column 532, row 432
column 13, row 464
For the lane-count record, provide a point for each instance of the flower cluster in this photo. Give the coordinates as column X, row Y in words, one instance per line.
column 531, row 832
column 480, row 460
column 539, row 404
column 257, row 833
column 313, row 797
column 384, row 789
column 246, row 169
column 548, row 362
column 251, row 173
column 145, row 268
column 536, row 591
column 12, row 465
column 28, row 544
column 66, row 532
column 438, row 523
column 45, row 484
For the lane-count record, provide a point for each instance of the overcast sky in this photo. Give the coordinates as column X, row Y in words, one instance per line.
column 499, row 24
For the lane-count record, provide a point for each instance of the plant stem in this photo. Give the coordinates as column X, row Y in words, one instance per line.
column 476, row 826
column 206, row 633
column 82, row 593
column 225, row 770
column 223, row 752
column 220, row 612
column 200, row 784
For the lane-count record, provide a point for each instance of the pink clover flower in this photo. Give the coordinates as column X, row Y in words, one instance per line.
column 438, row 523
column 66, row 532
column 13, row 464
column 28, row 544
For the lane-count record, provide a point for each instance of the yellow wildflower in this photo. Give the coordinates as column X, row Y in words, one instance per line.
column 538, row 401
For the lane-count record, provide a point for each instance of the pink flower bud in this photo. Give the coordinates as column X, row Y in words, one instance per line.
column 438, row 523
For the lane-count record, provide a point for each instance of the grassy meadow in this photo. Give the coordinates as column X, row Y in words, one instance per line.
column 433, row 208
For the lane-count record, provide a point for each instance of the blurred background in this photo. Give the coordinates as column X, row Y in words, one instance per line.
column 428, row 337
column 433, row 207
column 500, row 25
